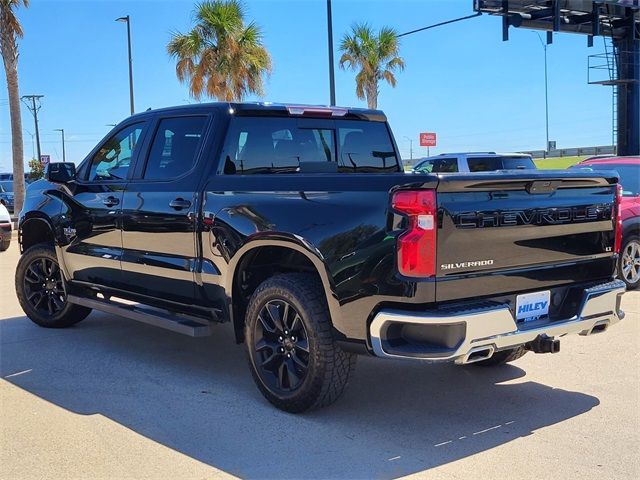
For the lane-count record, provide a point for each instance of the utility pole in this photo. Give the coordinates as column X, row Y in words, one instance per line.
column 64, row 156
column 34, row 107
column 127, row 20
column 332, row 81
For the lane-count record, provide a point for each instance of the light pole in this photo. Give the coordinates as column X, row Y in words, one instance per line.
column 64, row 155
column 410, row 148
column 332, row 81
column 33, row 143
column 546, row 91
column 126, row 19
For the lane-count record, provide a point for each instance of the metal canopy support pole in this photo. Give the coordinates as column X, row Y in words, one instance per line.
column 556, row 15
column 332, row 81
column 628, row 90
column 505, row 20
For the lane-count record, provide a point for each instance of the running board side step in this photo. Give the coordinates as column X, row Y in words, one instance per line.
column 187, row 325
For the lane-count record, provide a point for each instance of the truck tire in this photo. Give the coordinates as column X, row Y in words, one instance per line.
column 502, row 357
column 629, row 262
column 40, row 291
column 293, row 357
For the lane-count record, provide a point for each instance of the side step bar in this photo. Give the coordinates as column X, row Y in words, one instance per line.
column 187, row 325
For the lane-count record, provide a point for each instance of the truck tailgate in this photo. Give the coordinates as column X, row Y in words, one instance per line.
column 503, row 232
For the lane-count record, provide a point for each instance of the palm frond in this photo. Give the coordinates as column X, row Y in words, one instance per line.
column 222, row 57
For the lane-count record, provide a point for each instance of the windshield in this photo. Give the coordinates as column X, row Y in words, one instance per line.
column 629, row 175
column 6, row 186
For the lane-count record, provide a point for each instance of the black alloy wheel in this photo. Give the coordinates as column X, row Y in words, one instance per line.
column 294, row 359
column 281, row 346
column 43, row 286
column 40, row 289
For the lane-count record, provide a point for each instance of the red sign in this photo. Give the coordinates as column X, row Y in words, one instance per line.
column 428, row 139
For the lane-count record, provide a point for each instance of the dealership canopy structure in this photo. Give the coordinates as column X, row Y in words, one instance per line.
column 618, row 21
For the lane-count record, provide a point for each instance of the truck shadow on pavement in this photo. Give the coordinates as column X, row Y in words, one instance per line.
column 196, row 396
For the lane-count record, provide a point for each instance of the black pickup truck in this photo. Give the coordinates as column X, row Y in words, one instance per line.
column 297, row 225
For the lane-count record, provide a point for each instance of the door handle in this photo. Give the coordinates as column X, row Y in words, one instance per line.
column 111, row 201
column 179, row 203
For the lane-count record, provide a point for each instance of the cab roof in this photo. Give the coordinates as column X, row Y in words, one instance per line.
column 279, row 109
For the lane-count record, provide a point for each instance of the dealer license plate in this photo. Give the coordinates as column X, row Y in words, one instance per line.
column 531, row 306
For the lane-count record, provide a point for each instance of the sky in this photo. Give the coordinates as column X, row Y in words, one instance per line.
column 461, row 81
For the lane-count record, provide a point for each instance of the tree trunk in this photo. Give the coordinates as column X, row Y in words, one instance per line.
column 16, row 140
column 372, row 95
column 10, row 58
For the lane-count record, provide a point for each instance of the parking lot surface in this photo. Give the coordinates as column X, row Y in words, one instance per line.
column 112, row 398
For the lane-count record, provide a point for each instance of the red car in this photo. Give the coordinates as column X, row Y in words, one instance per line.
column 629, row 170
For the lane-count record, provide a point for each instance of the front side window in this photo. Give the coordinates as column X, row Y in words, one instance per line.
column 438, row 165
column 113, row 160
column 175, row 147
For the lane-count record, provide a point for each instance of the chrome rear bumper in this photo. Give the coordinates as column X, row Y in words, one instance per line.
column 488, row 328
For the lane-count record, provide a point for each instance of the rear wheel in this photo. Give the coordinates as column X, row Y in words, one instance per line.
column 293, row 358
column 502, row 357
column 5, row 243
column 40, row 290
column 629, row 262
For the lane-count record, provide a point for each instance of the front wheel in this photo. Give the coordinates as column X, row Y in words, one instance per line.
column 40, row 290
column 292, row 354
column 629, row 262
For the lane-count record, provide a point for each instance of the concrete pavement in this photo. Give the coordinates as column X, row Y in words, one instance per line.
column 111, row 398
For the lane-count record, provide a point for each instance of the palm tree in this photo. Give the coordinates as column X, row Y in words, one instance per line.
column 221, row 57
column 376, row 56
column 10, row 31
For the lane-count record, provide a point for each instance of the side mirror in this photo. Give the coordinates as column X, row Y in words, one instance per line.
column 61, row 172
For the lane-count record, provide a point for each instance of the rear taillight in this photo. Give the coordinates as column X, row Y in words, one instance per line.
column 617, row 225
column 417, row 246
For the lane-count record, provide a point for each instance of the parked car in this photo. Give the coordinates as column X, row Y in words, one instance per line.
column 5, row 228
column 629, row 170
column 6, row 194
column 297, row 225
column 473, row 162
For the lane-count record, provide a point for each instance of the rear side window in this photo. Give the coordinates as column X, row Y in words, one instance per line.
column 292, row 145
column 366, row 147
column 487, row 164
column 175, row 147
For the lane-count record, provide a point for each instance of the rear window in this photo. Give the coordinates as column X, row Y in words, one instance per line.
column 488, row 164
column 258, row 145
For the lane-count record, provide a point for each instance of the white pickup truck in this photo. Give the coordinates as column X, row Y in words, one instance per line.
column 474, row 162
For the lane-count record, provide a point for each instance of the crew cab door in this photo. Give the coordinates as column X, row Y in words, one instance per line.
column 159, row 212
column 94, row 209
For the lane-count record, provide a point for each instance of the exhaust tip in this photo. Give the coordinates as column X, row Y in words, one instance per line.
column 478, row 353
column 599, row 328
